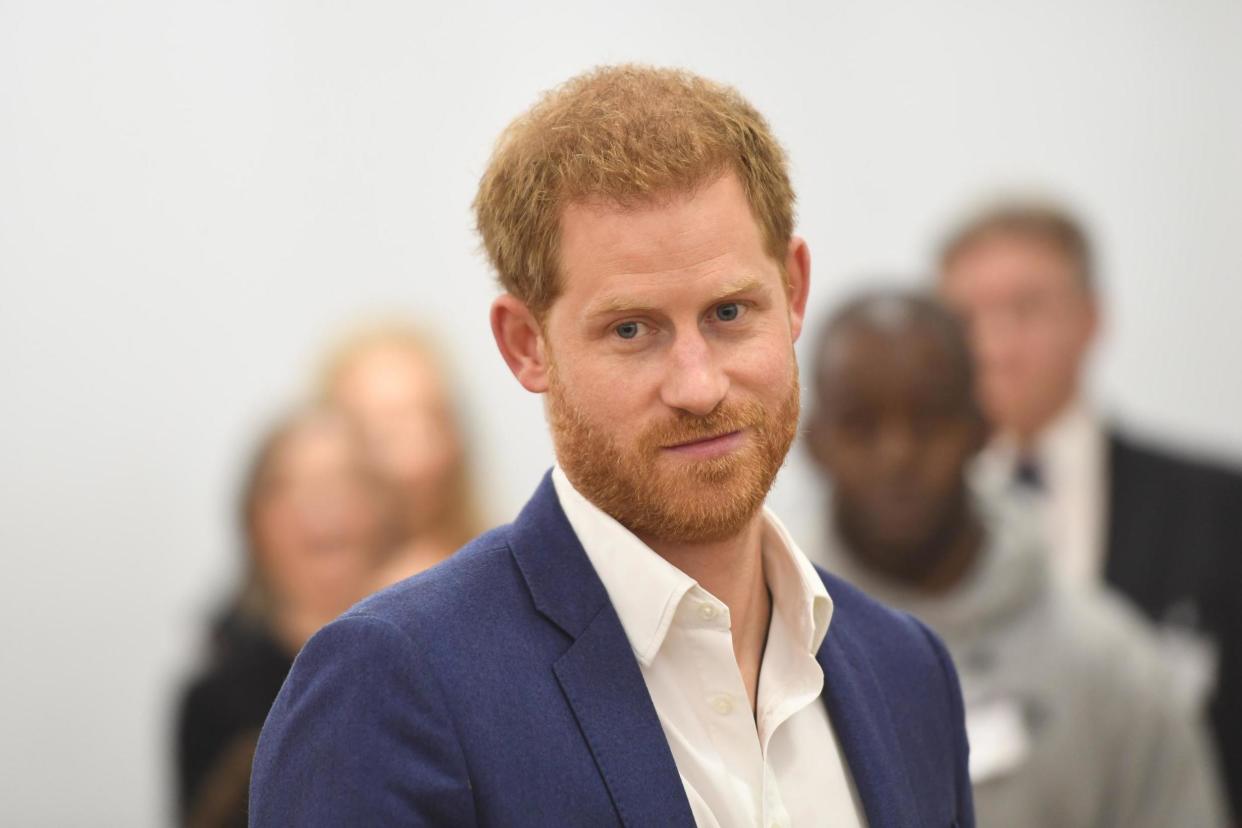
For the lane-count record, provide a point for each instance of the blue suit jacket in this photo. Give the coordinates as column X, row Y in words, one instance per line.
column 499, row 689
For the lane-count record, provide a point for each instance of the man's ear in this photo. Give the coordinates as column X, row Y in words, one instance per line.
column 797, row 282
column 520, row 340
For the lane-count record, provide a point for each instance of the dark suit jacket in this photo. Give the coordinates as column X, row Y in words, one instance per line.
column 1175, row 548
column 499, row 688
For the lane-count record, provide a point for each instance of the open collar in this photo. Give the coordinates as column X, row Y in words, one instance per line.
column 647, row 590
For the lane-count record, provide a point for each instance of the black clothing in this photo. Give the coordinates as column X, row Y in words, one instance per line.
column 222, row 711
column 1175, row 548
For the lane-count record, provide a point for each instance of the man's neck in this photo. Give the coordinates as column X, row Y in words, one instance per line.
column 934, row 565
column 732, row 570
column 1028, row 439
column 958, row 553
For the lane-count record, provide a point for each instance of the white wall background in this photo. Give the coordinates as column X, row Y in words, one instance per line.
column 194, row 196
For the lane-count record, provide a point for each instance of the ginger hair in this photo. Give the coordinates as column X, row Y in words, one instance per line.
column 626, row 135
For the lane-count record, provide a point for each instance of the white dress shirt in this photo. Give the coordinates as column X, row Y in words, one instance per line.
column 781, row 767
column 1072, row 457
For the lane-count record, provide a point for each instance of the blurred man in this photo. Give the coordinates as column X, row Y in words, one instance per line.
column 1070, row 711
column 645, row 645
column 1164, row 529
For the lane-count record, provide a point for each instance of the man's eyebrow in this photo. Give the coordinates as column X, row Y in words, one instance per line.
column 748, row 284
column 619, row 304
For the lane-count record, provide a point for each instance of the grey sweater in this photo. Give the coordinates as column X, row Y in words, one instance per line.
column 1072, row 714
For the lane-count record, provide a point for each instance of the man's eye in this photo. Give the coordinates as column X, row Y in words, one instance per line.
column 627, row 330
column 728, row 311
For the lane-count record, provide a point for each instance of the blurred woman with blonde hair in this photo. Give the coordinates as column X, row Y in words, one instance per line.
column 392, row 381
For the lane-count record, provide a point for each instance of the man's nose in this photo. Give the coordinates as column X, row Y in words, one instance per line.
column 694, row 379
column 897, row 445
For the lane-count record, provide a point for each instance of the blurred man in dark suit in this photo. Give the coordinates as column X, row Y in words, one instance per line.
column 1163, row 528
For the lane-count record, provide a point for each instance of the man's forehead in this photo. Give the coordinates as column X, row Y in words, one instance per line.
column 858, row 351
column 671, row 232
column 1010, row 254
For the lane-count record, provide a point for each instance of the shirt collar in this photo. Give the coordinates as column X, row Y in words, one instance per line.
column 1074, row 433
column 798, row 592
column 647, row 590
column 1070, row 440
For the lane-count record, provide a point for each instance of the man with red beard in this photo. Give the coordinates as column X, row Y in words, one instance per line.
column 645, row 644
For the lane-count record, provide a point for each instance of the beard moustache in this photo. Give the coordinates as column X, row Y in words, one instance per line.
column 671, row 499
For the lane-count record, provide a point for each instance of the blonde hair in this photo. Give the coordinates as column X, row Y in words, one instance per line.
column 628, row 135
column 374, row 334
column 462, row 521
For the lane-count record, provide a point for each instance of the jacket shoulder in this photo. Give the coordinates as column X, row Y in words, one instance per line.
column 1130, row 456
column 358, row 708
column 481, row 573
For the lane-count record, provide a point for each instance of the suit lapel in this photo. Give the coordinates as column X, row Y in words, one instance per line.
column 605, row 688
column 859, row 715
column 599, row 674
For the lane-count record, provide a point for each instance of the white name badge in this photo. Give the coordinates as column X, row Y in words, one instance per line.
column 999, row 741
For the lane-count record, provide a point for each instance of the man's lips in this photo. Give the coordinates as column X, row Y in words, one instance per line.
column 708, row 447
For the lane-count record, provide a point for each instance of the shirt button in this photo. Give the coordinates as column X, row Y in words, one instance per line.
column 722, row 705
column 707, row 612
